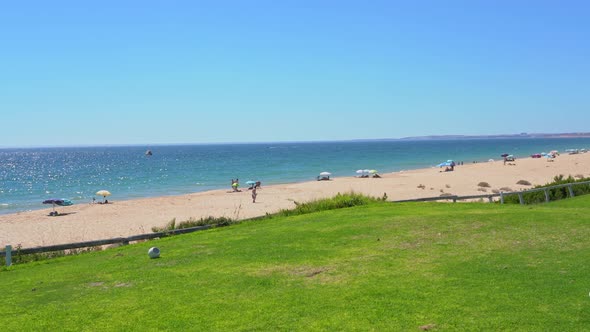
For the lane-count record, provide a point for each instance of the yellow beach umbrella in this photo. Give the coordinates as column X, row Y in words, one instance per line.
column 103, row 193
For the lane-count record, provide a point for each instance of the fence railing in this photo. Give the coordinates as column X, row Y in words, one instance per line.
column 8, row 250
column 490, row 197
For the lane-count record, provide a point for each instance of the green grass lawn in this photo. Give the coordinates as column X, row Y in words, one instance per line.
column 380, row 267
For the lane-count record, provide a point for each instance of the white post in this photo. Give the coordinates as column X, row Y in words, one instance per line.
column 8, row 255
column 569, row 188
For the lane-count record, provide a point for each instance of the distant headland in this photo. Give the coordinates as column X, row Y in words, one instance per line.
column 499, row 136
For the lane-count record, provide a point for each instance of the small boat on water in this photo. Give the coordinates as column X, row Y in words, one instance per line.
column 148, row 153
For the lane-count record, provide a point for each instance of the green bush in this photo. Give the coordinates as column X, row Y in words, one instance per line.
column 554, row 194
column 337, row 202
column 192, row 222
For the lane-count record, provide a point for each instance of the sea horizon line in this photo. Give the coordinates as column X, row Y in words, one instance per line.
column 409, row 138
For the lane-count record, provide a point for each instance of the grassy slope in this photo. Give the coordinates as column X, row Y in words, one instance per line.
column 378, row 267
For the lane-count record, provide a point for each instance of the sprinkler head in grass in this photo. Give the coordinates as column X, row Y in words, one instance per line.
column 154, row 252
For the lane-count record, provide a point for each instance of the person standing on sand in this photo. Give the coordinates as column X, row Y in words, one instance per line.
column 254, row 194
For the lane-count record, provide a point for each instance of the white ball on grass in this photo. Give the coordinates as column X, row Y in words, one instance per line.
column 154, row 252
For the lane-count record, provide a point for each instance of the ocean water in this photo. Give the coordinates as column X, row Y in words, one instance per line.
column 30, row 175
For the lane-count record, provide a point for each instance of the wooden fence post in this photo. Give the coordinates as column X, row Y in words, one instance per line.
column 8, row 255
column 571, row 190
column 546, row 195
column 501, row 197
column 520, row 199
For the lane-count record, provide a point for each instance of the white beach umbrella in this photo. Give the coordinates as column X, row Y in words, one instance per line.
column 325, row 174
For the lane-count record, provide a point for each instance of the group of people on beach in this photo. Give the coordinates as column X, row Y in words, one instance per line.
column 235, row 185
column 106, row 201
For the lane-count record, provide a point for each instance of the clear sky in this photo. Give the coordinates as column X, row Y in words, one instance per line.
column 148, row 72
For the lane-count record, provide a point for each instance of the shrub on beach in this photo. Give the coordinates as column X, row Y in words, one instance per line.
column 337, row 202
column 483, row 184
column 523, row 182
column 192, row 222
column 555, row 193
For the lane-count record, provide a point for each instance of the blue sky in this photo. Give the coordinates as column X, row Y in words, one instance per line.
column 148, row 72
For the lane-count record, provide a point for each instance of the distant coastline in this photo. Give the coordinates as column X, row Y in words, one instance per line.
column 474, row 137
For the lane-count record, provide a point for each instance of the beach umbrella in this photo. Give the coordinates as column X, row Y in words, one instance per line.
column 64, row 202
column 52, row 202
column 325, row 174
column 503, row 155
column 373, row 171
column 103, row 193
column 57, row 201
column 446, row 163
column 360, row 171
column 250, row 183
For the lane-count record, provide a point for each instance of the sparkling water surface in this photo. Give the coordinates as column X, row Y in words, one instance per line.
column 30, row 175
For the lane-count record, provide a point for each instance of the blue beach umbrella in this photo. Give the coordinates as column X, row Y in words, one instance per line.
column 57, row 201
column 53, row 201
column 64, row 202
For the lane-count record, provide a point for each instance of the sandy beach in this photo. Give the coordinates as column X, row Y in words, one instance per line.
column 86, row 222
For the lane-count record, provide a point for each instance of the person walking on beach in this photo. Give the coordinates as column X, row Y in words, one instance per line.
column 254, row 194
